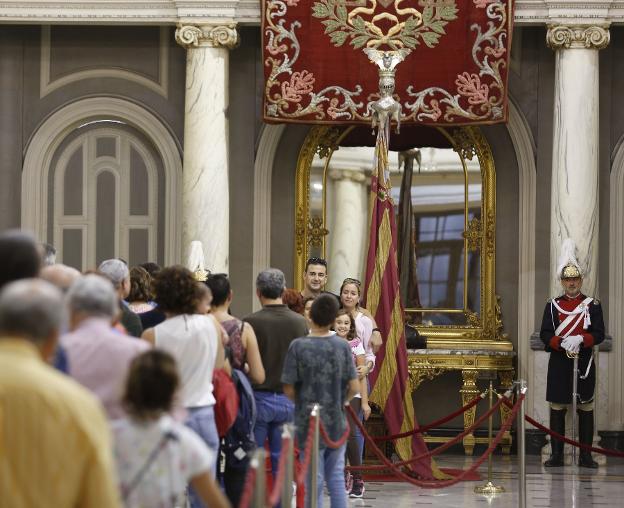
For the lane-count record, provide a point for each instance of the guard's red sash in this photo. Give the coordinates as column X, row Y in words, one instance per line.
column 575, row 321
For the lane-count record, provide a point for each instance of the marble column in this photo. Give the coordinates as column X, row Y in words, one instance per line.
column 574, row 187
column 205, row 187
column 575, row 171
column 349, row 220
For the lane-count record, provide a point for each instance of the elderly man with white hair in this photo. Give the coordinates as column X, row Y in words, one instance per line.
column 56, row 446
column 118, row 273
column 98, row 355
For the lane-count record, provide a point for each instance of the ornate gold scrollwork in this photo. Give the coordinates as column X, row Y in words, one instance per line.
column 473, row 234
column 490, row 231
column 328, row 142
column 463, row 143
column 472, row 318
column 418, row 374
column 300, row 231
column 316, row 231
column 498, row 319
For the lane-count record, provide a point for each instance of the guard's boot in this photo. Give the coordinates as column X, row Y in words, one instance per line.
column 557, row 423
column 586, row 436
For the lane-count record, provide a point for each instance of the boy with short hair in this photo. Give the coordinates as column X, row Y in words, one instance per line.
column 319, row 369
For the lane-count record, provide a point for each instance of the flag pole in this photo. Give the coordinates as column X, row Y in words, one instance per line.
column 391, row 390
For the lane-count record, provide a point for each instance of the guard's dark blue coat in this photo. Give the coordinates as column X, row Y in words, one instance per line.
column 560, row 367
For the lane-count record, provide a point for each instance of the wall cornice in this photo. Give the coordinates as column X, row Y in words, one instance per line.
column 247, row 12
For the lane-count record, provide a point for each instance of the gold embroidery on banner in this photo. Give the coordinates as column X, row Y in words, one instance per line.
column 384, row 384
column 388, row 369
column 384, row 242
column 406, row 27
column 476, row 96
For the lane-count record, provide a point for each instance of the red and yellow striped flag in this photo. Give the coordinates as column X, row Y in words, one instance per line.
column 389, row 380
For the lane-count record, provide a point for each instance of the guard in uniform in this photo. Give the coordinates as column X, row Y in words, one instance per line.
column 572, row 324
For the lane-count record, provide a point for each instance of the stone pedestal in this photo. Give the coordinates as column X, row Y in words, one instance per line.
column 205, row 188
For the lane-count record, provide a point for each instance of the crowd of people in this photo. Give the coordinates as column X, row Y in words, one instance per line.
column 115, row 384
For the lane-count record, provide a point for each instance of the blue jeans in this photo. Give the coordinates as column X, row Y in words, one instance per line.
column 202, row 421
column 331, row 470
column 272, row 411
column 358, row 434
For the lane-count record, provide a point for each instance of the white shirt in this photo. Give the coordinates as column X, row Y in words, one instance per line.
column 364, row 330
column 192, row 340
column 181, row 456
column 357, row 349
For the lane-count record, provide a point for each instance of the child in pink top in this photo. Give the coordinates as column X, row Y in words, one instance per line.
column 344, row 325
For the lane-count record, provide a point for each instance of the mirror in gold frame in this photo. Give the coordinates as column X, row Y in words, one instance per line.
column 448, row 255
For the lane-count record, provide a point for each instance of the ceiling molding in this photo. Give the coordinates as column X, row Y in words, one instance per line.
column 120, row 12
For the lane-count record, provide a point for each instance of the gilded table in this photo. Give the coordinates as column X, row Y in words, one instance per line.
column 430, row 363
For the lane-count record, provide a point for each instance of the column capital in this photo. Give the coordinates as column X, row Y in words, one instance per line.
column 577, row 37
column 211, row 36
column 354, row 175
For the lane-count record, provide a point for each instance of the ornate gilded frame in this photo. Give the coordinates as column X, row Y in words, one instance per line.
column 484, row 329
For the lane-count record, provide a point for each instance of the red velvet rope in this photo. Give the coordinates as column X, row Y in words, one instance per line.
column 342, row 440
column 436, row 484
column 274, row 497
column 248, row 488
column 433, row 452
column 556, row 435
column 420, row 430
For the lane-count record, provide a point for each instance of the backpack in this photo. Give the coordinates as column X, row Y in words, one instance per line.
column 239, row 441
column 226, row 397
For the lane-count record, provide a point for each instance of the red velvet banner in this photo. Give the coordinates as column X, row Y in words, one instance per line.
column 317, row 72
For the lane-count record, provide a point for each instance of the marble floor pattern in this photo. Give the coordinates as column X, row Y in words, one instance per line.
column 561, row 487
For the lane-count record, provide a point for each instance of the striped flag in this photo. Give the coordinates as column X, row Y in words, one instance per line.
column 389, row 380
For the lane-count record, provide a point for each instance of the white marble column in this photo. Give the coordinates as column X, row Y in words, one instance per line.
column 347, row 236
column 205, row 189
column 574, row 188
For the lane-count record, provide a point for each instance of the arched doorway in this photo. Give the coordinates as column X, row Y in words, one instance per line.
column 100, row 180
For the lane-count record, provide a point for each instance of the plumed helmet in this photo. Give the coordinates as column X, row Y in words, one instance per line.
column 569, row 266
column 196, row 263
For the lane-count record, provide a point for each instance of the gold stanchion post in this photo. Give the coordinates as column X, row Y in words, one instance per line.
column 489, row 487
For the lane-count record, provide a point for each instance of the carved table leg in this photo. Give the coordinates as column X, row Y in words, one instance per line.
column 506, row 383
column 468, row 392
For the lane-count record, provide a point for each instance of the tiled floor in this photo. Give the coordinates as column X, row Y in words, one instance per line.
column 561, row 487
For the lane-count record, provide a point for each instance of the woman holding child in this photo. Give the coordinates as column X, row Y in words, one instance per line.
column 350, row 293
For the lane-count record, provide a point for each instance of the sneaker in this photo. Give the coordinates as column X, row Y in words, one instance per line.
column 348, row 482
column 358, row 488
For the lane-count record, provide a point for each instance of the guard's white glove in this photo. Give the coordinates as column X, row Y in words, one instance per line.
column 572, row 343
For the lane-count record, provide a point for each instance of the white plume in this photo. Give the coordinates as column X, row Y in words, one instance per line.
column 567, row 256
column 196, row 257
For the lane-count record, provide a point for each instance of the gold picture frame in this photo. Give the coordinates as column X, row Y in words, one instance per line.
column 483, row 329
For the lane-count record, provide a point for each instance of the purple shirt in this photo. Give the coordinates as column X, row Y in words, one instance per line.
column 98, row 357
